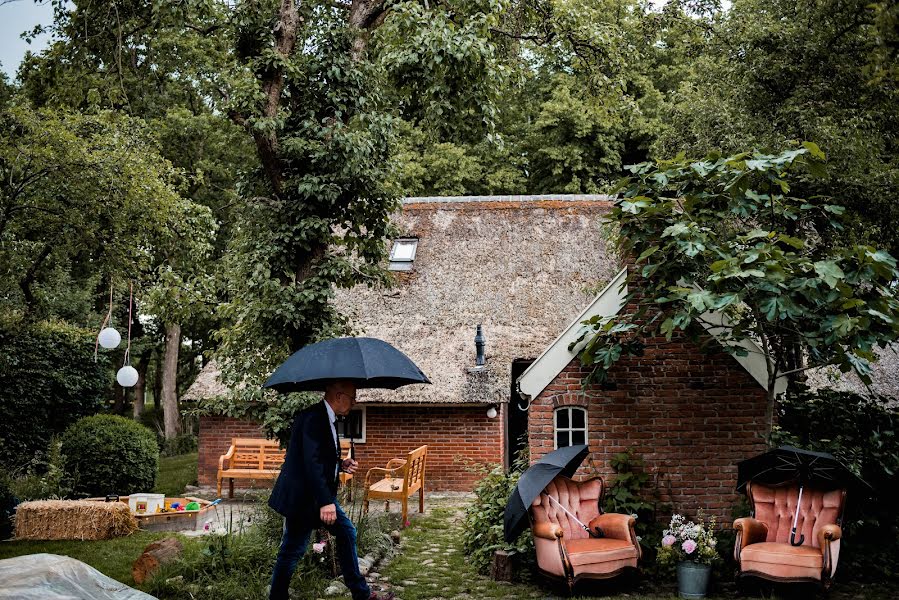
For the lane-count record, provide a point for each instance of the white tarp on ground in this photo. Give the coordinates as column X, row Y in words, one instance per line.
column 53, row 577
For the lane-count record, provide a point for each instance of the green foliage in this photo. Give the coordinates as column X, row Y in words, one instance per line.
column 108, row 454
column 626, row 493
column 8, row 502
column 48, row 380
column 483, row 532
column 728, row 235
column 44, row 479
column 183, row 443
column 768, row 71
column 863, row 433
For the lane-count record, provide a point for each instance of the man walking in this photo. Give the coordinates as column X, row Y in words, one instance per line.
column 306, row 493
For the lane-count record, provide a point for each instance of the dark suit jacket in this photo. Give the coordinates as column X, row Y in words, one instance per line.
column 307, row 481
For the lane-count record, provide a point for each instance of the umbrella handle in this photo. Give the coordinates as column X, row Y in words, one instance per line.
column 793, row 541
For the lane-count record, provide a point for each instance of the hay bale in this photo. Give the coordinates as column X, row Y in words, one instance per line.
column 73, row 520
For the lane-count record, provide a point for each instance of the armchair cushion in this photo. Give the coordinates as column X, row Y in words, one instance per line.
column 590, row 551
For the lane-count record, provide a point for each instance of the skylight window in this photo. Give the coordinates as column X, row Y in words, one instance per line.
column 402, row 255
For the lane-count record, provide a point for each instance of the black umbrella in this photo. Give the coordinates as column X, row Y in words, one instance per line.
column 367, row 362
column 788, row 464
column 564, row 461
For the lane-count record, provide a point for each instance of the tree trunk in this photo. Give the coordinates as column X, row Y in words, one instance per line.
column 156, row 554
column 140, row 388
column 118, row 404
column 157, row 381
column 170, row 380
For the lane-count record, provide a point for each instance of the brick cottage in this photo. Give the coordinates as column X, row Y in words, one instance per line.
column 691, row 414
column 521, row 267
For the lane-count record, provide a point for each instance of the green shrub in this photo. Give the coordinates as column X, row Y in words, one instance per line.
column 44, row 479
column 184, row 443
column 107, row 454
column 483, row 532
column 8, row 503
column 864, row 434
column 48, row 380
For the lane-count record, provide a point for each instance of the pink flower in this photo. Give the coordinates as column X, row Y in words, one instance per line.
column 689, row 546
column 668, row 540
column 319, row 547
column 407, row 523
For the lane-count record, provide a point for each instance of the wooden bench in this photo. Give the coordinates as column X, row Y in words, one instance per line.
column 400, row 480
column 249, row 458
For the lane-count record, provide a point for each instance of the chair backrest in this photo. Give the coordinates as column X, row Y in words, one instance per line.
column 415, row 469
column 256, row 453
column 775, row 507
column 346, row 449
column 581, row 498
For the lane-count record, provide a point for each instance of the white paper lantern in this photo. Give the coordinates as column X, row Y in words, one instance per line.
column 110, row 338
column 491, row 412
column 127, row 376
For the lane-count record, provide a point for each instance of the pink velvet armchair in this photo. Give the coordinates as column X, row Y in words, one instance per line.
column 564, row 550
column 763, row 546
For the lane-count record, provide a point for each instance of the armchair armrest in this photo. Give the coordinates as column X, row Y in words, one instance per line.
column 379, row 471
column 227, row 456
column 749, row 531
column 829, row 533
column 548, row 531
column 614, row 525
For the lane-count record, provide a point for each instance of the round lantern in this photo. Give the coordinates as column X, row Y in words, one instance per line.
column 127, row 376
column 491, row 412
column 109, row 338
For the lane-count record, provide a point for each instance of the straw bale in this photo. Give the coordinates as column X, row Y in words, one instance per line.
column 73, row 520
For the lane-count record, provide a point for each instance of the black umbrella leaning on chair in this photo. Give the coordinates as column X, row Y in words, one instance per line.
column 367, row 362
column 786, row 464
column 563, row 461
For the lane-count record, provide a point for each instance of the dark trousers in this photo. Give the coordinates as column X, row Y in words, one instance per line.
column 293, row 546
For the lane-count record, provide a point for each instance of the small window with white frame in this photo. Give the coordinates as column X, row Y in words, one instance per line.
column 402, row 254
column 570, row 426
column 352, row 426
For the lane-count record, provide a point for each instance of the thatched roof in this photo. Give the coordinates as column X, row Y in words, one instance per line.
column 207, row 385
column 884, row 379
column 521, row 266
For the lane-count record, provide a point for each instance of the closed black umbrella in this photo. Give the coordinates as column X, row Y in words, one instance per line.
column 788, row 464
column 367, row 362
column 563, row 461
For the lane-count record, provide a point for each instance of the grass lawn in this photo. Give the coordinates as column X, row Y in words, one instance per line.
column 110, row 557
column 176, row 472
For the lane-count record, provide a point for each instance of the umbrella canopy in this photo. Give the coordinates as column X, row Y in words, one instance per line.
column 786, row 464
column 367, row 362
column 563, row 461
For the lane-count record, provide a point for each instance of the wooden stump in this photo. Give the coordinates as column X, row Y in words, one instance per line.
column 156, row 554
column 501, row 569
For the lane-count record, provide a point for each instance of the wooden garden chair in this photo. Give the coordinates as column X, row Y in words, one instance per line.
column 400, row 479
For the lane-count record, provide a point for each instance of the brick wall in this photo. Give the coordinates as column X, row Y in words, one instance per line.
column 690, row 415
column 454, row 434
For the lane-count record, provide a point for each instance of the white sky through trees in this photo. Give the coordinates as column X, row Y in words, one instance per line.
column 17, row 16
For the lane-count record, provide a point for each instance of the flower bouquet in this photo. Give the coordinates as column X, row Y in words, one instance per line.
column 691, row 547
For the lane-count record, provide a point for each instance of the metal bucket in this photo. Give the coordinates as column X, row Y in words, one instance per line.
column 693, row 579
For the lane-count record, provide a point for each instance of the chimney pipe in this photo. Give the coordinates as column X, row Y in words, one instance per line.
column 479, row 343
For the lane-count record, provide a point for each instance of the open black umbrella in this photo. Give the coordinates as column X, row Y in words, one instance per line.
column 788, row 464
column 564, row 461
column 367, row 362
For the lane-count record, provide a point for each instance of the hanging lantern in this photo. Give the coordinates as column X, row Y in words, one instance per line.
column 127, row 376
column 109, row 338
column 491, row 412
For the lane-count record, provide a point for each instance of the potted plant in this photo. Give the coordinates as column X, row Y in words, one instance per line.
column 691, row 547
